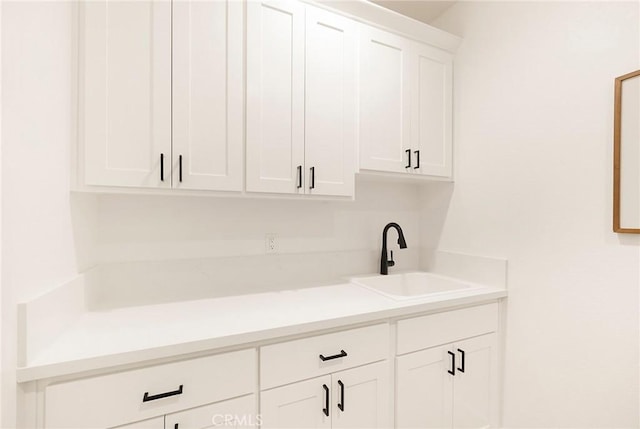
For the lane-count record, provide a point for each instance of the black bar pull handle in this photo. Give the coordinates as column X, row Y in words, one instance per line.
column 180, row 168
column 408, row 152
column 339, row 355
column 452, row 371
column 147, row 397
column 417, row 152
column 341, row 403
column 313, row 177
column 162, row 167
column 461, row 367
column 325, row 410
column 299, row 176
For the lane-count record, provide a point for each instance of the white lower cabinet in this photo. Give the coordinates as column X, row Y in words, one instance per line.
column 236, row 413
column 233, row 413
column 354, row 398
column 454, row 385
column 138, row 395
column 446, row 376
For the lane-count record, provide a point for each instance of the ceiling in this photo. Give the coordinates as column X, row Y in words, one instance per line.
column 421, row 10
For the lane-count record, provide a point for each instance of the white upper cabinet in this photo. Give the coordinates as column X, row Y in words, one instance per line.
column 432, row 111
column 126, row 92
column 301, row 92
column 275, row 96
column 385, row 100
column 207, row 95
column 405, row 114
column 330, row 103
column 153, row 69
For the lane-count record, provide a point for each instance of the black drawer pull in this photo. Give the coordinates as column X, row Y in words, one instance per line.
column 325, row 410
column 299, row 176
column 452, row 371
column 339, row 355
column 461, row 368
column 408, row 152
column 341, row 403
column 417, row 152
column 147, row 397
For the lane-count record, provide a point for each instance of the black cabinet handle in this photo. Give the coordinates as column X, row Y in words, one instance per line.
column 313, row 177
column 162, row 167
column 299, row 176
column 175, row 426
column 417, row 152
column 341, row 403
column 180, row 168
column 339, row 355
column 452, row 371
column 325, row 410
column 147, row 397
column 462, row 353
column 408, row 152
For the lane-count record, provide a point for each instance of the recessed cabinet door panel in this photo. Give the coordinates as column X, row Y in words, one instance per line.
column 297, row 406
column 275, row 96
column 330, row 103
column 424, row 389
column 126, row 92
column 385, row 100
column 361, row 397
column 235, row 413
column 207, row 95
column 433, row 111
column 475, row 391
column 157, row 423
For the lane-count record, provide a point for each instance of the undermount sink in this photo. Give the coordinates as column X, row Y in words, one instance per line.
column 412, row 285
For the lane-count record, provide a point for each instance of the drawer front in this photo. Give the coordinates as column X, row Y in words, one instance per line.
column 300, row 359
column 115, row 399
column 441, row 328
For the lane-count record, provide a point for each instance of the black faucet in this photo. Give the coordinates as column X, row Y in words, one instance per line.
column 384, row 263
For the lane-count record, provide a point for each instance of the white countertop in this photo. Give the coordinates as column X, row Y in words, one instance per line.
column 104, row 339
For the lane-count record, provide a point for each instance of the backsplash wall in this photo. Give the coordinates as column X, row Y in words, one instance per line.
column 149, row 249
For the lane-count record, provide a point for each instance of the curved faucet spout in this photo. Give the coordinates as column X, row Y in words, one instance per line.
column 384, row 262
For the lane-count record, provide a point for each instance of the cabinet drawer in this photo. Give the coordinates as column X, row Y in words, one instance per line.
column 115, row 399
column 300, row 359
column 441, row 328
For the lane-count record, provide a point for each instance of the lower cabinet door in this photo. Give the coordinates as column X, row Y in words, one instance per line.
column 475, row 393
column 424, row 389
column 156, row 423
column 232, row 413
column 361, row 397
column 306, row 404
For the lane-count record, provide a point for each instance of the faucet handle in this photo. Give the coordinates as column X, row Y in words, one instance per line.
column 391, row 262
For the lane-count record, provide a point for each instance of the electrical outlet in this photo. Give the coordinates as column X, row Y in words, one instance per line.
column 270, row 243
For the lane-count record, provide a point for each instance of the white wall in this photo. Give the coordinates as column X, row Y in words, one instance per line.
column 533, row 134
column 38, row 251
column 162, row 248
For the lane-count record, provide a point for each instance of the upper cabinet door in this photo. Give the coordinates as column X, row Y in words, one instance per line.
column 330, row 103
column 385, row 100
column 275, row 96
column 432, row 111
column 126, row 92
column 208, row 95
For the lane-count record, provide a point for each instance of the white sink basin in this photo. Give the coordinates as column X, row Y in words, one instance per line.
column 412, row 285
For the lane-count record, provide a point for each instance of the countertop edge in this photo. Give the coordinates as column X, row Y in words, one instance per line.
column 177, row 350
